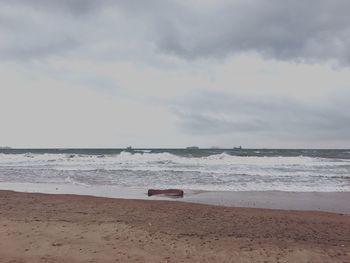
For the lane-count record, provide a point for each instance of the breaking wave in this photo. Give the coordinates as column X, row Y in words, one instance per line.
column 214, row 172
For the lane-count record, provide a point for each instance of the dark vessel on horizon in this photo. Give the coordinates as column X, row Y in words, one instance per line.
column 192, row 148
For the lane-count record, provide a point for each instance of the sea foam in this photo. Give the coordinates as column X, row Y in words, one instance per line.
column 144, row 168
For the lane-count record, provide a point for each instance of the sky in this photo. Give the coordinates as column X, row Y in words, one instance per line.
column 161, row 73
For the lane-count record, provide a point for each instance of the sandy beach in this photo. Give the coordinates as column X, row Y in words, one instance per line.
column 72, row 228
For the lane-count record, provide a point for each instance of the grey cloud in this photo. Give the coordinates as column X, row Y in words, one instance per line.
column 306, row 31
column 28, row 52
column 38, row 28
column 68, row 6
column 141, row 8
column 218, row 113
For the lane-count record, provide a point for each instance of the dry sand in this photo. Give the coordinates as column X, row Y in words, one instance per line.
column 68, row 228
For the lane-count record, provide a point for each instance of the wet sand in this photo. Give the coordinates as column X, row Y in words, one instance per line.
column 72, row 228
column 337, row 202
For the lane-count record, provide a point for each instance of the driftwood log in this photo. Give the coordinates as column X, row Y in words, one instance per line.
column 168, row 192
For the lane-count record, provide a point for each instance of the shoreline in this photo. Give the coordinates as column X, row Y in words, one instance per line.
column 52, row 228
column 333, row 202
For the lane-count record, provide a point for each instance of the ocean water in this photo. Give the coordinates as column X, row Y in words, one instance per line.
column 202, row 169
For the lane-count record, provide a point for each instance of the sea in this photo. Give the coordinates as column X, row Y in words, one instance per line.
column 293, row 170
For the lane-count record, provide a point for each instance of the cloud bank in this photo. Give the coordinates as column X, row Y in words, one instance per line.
column 213, row 113
column 311, row 31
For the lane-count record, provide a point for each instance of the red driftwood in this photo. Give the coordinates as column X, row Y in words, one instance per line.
column 168, row 192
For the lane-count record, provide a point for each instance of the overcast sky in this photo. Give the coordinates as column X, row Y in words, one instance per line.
column 161, row 73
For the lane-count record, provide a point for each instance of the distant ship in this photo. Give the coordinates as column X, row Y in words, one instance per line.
column 237, row 148
column 192, row 148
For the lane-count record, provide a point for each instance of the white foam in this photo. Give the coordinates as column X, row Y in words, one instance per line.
column 215, row 172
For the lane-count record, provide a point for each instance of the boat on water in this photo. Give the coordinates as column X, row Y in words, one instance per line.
column 237, row 148
column 192, row 148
